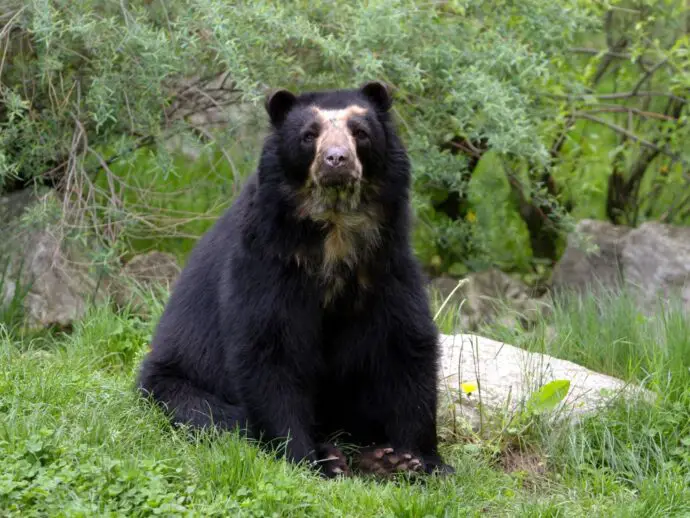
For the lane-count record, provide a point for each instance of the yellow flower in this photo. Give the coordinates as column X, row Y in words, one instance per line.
column 468, row 388
column 471, row 216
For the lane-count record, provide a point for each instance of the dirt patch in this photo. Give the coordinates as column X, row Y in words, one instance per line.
column 529, row 466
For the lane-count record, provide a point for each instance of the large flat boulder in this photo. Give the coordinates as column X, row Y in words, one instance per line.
column 506, row 376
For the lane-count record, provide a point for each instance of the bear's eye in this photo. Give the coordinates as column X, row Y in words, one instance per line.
column 360, row 134
column 308, row 137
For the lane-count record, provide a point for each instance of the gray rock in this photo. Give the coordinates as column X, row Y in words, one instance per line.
column 592, row 259
column 60, row 286
column 652, row 262
column 13, row 205
column 51, row 266
column 488, row 297
column 656, row 263
column 59, row 275
column 9, row 288
column 506, row 376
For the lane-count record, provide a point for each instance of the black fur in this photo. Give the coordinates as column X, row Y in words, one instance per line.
column 246, row 338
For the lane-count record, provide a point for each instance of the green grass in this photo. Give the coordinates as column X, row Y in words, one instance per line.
column 75, row 440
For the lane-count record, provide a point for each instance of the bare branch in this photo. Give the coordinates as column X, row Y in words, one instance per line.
column 616, row 96
column 603, row 52
column 227, row 156
column 630, row 111
column 624, row 9
column 630, row 135
column 648, row 75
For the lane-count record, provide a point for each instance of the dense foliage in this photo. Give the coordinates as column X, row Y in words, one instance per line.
column 518, row 115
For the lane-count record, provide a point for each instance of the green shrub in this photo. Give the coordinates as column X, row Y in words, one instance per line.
column 86, row 84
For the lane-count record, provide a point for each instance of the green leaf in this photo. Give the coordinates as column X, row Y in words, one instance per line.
column 548, row 396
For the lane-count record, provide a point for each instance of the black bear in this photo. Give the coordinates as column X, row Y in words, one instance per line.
column 302, row 313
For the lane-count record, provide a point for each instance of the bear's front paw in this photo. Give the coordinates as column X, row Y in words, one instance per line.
column 331, row 462
column 385, row 461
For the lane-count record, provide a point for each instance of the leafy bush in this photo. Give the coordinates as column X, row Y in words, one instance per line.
column 514, row 113
column 86, row 84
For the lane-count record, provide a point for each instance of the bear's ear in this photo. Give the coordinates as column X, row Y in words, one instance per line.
column 278, row 104
column 379, row 93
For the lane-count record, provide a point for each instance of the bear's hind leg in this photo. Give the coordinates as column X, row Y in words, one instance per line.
column 191, row 405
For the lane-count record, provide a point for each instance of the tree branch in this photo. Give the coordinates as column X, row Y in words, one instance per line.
column 629, row 110
column 615, row 96
column 542, row 231
column 649, row 74
column 630, row 135
column 604, row 52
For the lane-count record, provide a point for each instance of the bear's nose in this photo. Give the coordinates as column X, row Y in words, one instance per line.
column 336, row 156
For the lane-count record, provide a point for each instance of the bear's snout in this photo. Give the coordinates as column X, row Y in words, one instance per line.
column 336, row 166
column 337, row 157
column 337, row 169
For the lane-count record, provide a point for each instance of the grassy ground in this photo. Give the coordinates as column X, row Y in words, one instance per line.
column 76, row 441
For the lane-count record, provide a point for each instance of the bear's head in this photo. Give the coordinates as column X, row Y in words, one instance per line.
column 333, row 146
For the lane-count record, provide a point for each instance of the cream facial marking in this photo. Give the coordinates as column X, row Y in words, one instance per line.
column 335, row 144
